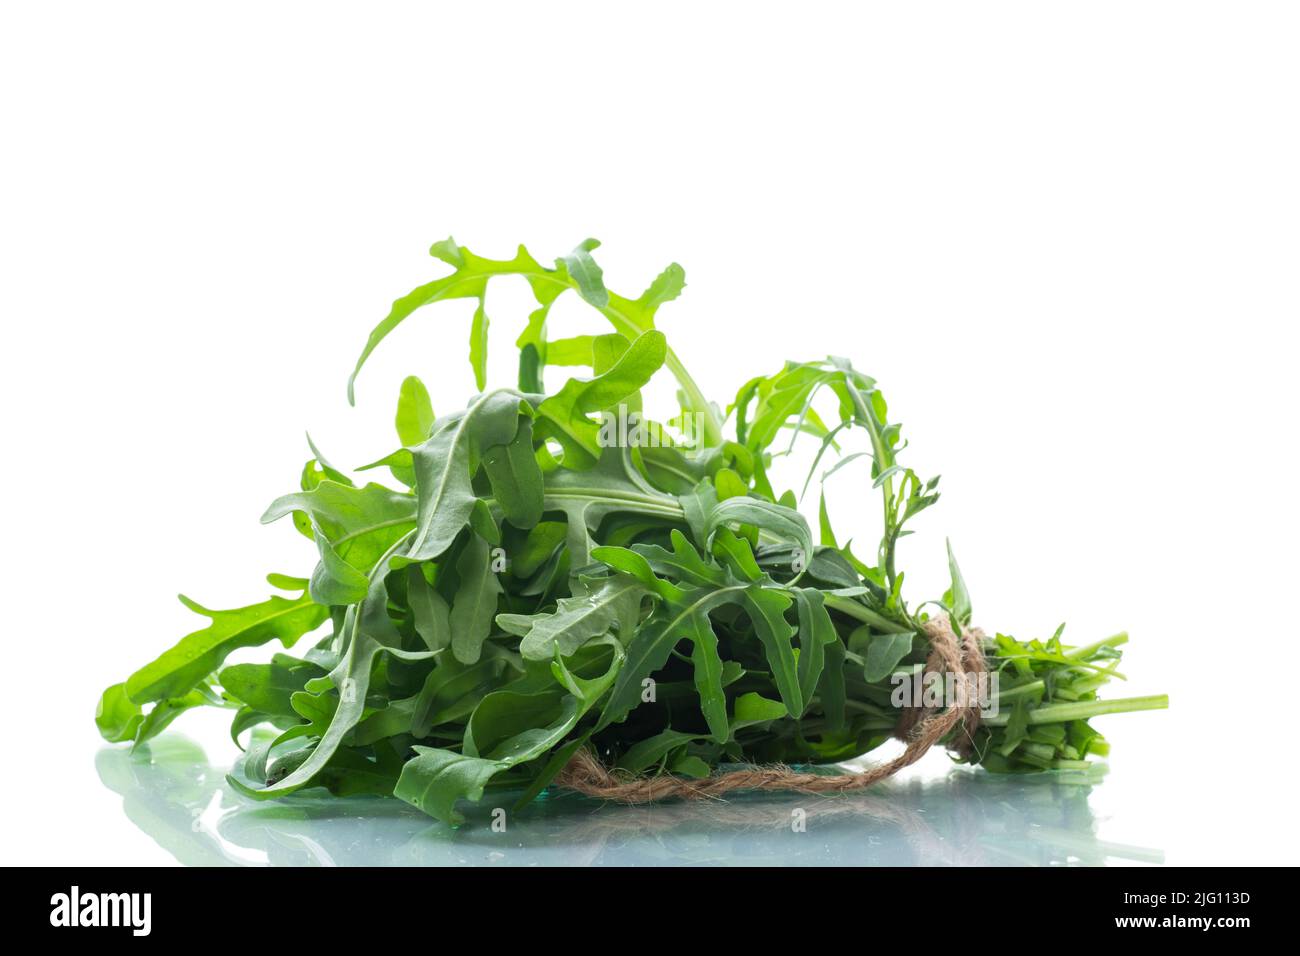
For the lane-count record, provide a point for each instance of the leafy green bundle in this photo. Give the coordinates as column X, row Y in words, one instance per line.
column 560, row 571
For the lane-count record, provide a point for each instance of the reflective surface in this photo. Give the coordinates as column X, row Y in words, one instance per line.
column 964, row 818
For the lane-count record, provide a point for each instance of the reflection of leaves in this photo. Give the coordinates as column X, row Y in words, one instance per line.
column 963, row 819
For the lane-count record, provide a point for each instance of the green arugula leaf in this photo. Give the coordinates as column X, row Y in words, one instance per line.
column 816, row 633
column 647, row 753
column 369, row 632
column 629, row 317
column 516, row 478
column 353, row 528
column 884, row 652
column 584, row 272
column 613, row 605
column 505, row 725
column 434, row 780
column 588, row 498
column 753, row 708
column 565, row 415
column 446, row 464
column 179, row 670
column 475, row 603
column 767, row 607
column 478, row 344
column 429, row 610
column 266, row 687
column 957, row 598
column 414, row 412
column 682, row 619
column 117, row 716
column 783, row 523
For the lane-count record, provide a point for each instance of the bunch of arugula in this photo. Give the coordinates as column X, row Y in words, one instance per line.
column 542, row 581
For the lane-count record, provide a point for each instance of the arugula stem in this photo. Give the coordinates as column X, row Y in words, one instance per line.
column 881, row 455
column 1022, row 690
column 1114, row 640
column 1082, row 710
column 699, row 404
column 859, row 612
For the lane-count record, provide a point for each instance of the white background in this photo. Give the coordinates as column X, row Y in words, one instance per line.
column 1062, row 236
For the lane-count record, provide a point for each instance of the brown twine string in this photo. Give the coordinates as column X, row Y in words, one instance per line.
column 919, row 728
